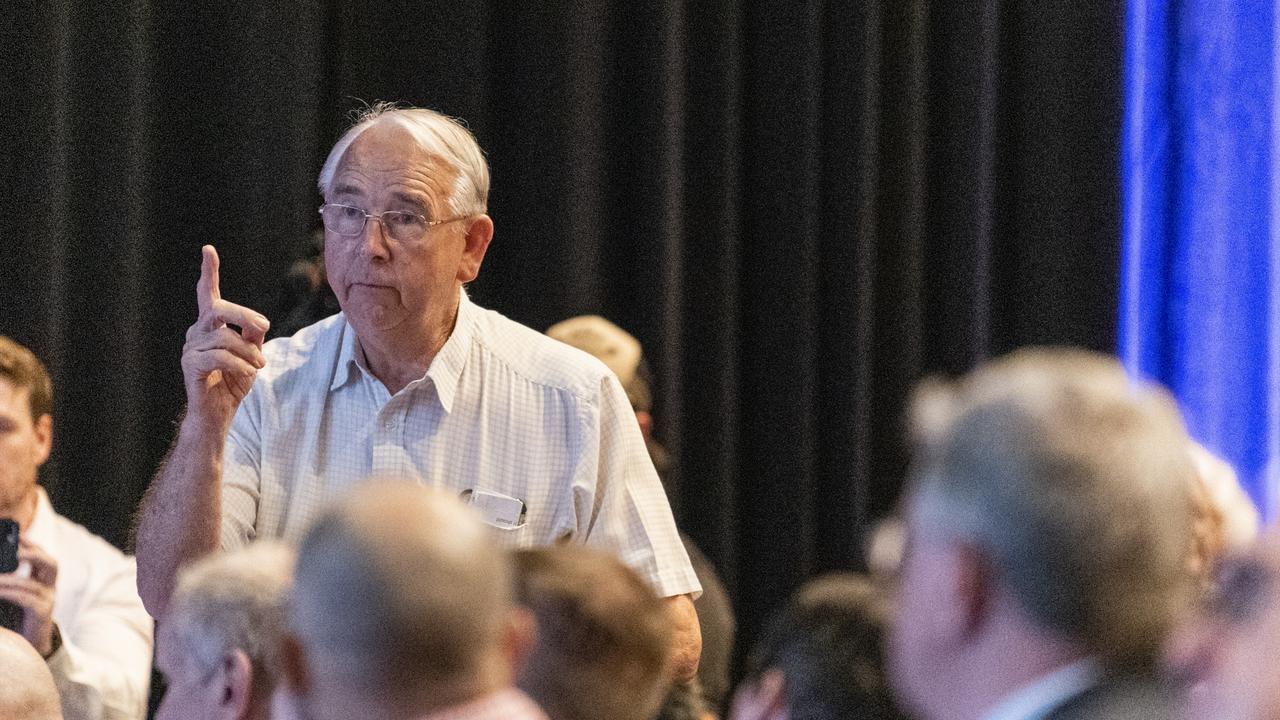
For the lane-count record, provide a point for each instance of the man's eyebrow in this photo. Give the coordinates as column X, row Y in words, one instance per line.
column 409, row 199
column 345, row 189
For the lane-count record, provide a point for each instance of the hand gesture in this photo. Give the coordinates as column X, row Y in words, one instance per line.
column 218, row 363
column 33, row 592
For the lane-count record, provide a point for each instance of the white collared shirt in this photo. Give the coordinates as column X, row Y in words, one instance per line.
column 103, row 669
column 502, row 410
column 1036, row 699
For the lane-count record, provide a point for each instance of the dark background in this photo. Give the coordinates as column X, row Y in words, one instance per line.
column 799, row 208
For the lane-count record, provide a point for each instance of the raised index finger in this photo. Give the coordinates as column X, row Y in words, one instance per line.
column 207, row 292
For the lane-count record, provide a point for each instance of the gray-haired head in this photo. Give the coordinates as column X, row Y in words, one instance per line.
column 436, row 134
column 1074, row 481
column 28, row 692
column 401, row 592
column 229, row 602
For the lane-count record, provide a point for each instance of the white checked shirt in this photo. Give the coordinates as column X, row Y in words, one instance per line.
column 503, row 409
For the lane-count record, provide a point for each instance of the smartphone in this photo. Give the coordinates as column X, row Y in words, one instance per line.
column 10, row 614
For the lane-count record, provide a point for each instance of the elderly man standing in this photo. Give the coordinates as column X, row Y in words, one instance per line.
column 412, row 379
column 1048, row 522
column 402, row 609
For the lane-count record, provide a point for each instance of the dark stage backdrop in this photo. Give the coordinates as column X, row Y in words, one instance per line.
column 798, row 207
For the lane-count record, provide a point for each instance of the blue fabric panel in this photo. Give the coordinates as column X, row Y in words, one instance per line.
column 1199, row 308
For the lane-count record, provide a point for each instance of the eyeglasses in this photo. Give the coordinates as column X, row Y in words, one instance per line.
column 400, row 225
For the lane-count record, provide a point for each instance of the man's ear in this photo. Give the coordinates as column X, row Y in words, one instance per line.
column 44, row 438
column 479, row 233
column 235, row 693
column 972, row 589
column 519, row 635
column 646, row 424
column 293, row 665
column 762, row 698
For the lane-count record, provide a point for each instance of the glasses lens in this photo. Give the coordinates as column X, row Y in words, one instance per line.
column 343, row 219
column 405, row 227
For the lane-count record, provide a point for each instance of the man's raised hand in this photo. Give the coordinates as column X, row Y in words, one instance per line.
column 218, row 363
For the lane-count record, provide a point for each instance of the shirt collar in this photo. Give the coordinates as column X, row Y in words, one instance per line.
column 1034, row 700
column 41, row 531
column 446, row 368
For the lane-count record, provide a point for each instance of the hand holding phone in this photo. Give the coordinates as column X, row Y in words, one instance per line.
column 10, row 614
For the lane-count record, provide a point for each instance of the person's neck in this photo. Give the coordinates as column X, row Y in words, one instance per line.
column 1009, row 664
column 23, row 511
column 403, row 355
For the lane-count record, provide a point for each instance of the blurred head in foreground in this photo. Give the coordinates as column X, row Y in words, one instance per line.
column 821, row 657
column 603, row 636
column 218, row 643
column 1048, row 521
column 27, row 692
column 401, row 608
column 1225, row 518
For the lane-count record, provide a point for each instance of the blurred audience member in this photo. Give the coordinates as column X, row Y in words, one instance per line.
column 1227, row 653
column 1225, row 518
column 603, row 636
column 821, row 657
column 402, row 609
column 27, row 692
column 76, row 592
column 1047, row 524
column 622, row 354
column 218, row 641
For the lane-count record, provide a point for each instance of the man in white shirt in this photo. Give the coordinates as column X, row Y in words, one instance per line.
column 411, row 379
column 80, row 607
column 1048, row 527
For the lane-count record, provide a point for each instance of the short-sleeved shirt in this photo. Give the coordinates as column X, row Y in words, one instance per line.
column 503, row 412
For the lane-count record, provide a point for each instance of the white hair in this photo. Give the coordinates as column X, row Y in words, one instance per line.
column 435, row 133
column 233, row 601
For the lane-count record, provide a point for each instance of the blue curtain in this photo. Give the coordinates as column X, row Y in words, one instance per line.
column 1200, row 284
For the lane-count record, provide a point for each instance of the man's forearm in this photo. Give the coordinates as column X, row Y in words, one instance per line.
column 686, row 643
column 181, row 513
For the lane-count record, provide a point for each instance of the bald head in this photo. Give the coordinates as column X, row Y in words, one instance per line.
column 402, row 587
column 28, row 692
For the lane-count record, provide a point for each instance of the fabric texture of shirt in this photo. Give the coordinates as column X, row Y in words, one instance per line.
column 509, row 704
column 503, row 411
column 103, row 669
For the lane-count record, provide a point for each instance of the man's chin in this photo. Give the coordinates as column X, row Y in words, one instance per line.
column 375, row 318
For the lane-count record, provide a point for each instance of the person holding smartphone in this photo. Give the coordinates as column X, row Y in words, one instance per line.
column 75, row 593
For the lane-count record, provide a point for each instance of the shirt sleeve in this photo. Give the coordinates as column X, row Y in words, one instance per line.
column 241, row 475
column 632, row 517
column 103, row 669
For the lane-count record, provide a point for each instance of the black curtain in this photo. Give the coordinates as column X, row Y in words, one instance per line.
column 799, row 208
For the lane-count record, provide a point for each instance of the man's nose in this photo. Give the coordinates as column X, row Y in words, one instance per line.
column 376, row 241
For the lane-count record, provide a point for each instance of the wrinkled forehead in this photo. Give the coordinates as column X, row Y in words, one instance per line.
column 387, row 156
